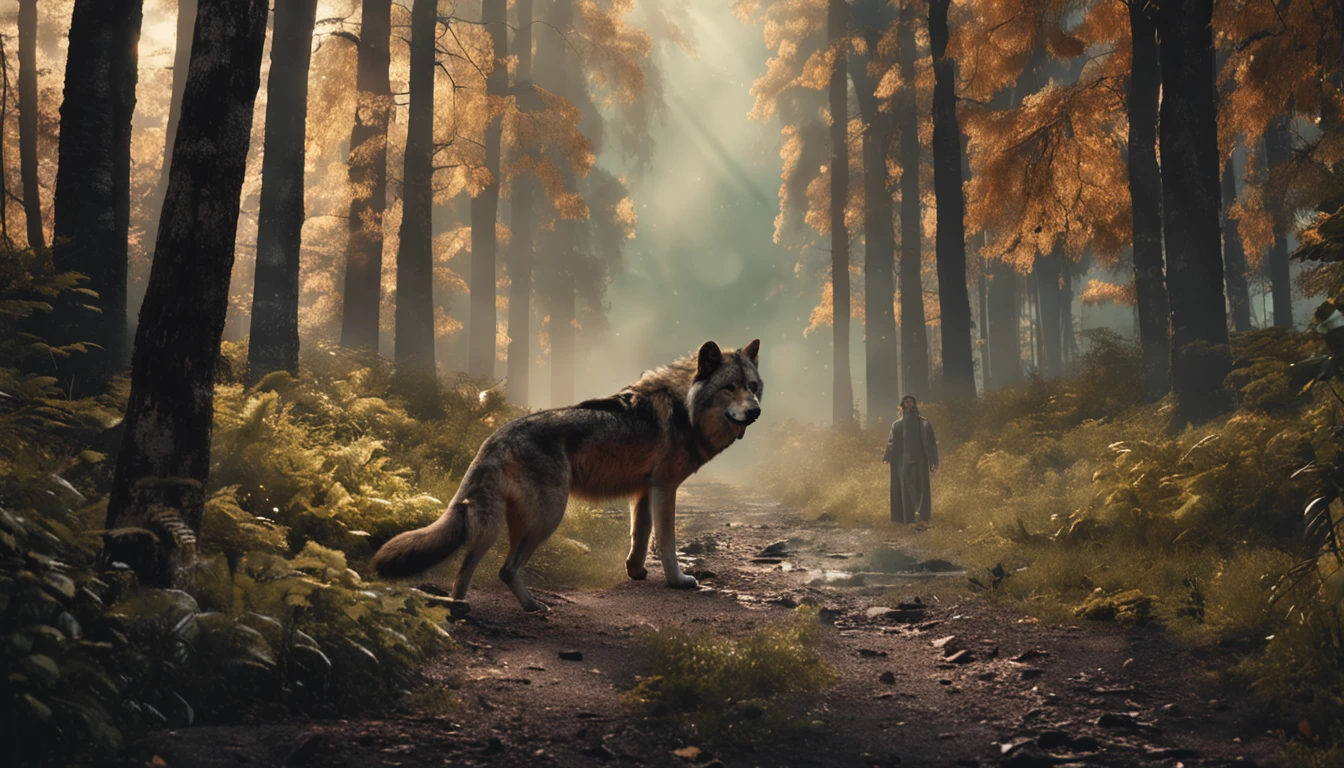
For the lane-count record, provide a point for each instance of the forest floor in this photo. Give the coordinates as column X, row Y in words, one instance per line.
column 1024, row 693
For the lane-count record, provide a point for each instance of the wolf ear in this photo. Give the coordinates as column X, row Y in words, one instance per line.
column 752, row 350
column 708, row 360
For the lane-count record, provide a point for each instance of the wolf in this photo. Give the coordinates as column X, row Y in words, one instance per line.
column 640, row 443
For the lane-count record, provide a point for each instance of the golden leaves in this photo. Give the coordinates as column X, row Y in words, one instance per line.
column 1100, row 292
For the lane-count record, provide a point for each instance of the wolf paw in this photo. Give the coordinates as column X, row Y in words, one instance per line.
column 538, row 609
column 683, row 581
column 637, row 572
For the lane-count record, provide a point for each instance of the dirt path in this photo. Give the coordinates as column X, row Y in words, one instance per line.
column 1021, row 694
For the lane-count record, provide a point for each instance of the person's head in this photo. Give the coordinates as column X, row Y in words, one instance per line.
column 908, row 404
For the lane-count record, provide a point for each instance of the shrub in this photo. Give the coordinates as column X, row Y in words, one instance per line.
column 733, row 688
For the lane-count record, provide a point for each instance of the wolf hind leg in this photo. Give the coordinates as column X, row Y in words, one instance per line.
column 484, row 529
column 641, row 524
column 528, row 530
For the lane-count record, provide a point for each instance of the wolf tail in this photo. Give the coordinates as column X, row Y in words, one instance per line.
column 413, row 551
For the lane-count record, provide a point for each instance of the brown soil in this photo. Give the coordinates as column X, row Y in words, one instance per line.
column 1143, row 698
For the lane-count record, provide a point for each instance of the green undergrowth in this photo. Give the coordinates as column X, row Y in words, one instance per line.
column 1078, row 502
column 735, row 688
column 309, row 475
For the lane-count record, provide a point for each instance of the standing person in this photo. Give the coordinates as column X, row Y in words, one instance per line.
column 913, row 456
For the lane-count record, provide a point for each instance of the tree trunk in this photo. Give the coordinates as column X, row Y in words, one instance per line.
column 519, row 364
column 92, row 210
column 842, row 401
column 563, row 258
column 914, row 329
column 368, row 179
column 1005, row 325
column 32, row 199
column 415, row 258
column 485, row 207
column 879, row 260
column 164, row 461
column 274, row 341
column 1066, row 316
column 1278, row 150
column 1191, row 203
column 1145, row 192
column 186, row 22
column 1048, row 272
column 953, row 299
column 1234, row 255
column 982, row 318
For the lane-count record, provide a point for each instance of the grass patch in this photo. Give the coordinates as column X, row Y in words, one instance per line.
column 1097, row 509
column 735, row 688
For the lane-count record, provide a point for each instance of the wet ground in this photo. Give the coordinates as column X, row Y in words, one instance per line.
column 930, row 673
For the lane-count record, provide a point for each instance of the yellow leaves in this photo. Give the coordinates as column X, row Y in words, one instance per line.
column 1051, row 173
column 1100, row 292
column 617, row 51
column 1255, row 224
column 626, row 216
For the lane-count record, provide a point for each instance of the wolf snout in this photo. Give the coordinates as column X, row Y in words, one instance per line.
column 752, row 414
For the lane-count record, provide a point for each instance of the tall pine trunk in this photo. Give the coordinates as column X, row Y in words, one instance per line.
column 1234, row 254
column 914, row 329
column 485, row 207
column 879, row 234
column 950, row 244
column 415, row 257
column 32, row 199
column 982, row 318
column 1278, row 150
column 1048, row 272
column 562, row 257
column 1005, row 325
column 1191, row 204
column 1066, row 316
column 92, row 207
column 519, row 364
column 1145, row 192
column 273, row 344
column 368, row 179
column 164, row 462
column 842, row 387
column 186, row 22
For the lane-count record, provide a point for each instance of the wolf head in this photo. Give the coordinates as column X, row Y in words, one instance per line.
column 725, row 395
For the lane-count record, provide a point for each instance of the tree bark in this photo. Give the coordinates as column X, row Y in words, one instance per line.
column 954, row 301
column 879, row 234
column 842, row 387
column 1048, row 272
column 1005, row 325
column 164, row 462
column 186, row 22
column 914, row 329
column 1145, row 191
column 562, row 259
column 1278, row 150
column 485, row 207
column 1191, row 203
column 982, row 319
column 519, row 365
column 368, row 179
column 92, row 206
column 274, row 341
column 28, row 107
column 1066, row 316
column 415, row 258
column 1234, row 255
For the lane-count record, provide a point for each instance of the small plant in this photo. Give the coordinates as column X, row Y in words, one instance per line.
column 732, row 688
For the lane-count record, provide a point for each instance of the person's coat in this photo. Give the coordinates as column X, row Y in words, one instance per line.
column 910, row 491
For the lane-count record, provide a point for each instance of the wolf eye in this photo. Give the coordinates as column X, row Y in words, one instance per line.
column 753, row 386
column 730, row 388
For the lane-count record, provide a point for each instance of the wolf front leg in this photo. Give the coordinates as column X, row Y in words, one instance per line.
column 664, row 504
